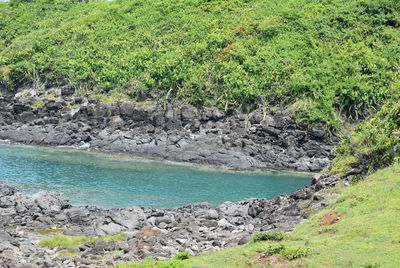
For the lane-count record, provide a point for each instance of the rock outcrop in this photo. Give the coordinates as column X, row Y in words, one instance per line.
column 181, row 133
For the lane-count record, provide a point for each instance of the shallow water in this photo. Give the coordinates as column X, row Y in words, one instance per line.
column 120, row 181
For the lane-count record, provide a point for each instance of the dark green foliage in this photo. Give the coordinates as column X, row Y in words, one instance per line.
column 182, row 256
column 374, row 144
column 287, row 252
column 274, row 249
column 273, row 236
column 356, row 179
column 322, row 58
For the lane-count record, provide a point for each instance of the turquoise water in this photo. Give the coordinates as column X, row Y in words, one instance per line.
column 120, row 181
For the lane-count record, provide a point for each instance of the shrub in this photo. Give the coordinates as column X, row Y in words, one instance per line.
column 182, row 256
column 287, row 252
column 263, row 236
column 374, row 144
column 274, row 249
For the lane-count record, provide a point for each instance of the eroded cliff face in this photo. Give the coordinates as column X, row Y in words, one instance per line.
column 156, row 232
column 180, row 132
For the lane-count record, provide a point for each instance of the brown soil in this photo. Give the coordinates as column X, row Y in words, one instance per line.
column 142, row 245
column 151, row 232
column 275, row 261
column 330, row 218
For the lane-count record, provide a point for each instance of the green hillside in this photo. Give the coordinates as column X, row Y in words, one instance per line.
column 322, row 59
column 360, row 229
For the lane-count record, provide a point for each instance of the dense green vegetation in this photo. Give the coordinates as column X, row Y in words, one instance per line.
column 373, row 145
column 322, row 59
column 359, row 229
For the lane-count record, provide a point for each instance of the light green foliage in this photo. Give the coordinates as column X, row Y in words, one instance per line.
column 365, row 236
column 38, row 104
column 273, row 236
column 320, row 58
column 182, row 256
column 69, row 241
column 374, row 144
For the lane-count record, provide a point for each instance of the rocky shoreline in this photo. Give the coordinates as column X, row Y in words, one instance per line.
column 176, row 132
column 156, row 232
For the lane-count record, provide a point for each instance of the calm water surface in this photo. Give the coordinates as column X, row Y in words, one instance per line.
column 119, row 181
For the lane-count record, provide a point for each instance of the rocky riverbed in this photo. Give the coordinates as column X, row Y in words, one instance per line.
column 156, row 232
column 178, row 132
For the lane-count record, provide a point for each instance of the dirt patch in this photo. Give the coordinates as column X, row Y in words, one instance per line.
column 330, row 218
column 49, row 231
column 142, row 245
column 151, row 232
column 275, row 261
column 267, row 261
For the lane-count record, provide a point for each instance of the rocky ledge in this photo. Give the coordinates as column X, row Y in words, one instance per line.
column 156, row 232
column 178, row 132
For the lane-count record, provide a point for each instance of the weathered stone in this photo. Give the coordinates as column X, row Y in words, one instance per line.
column 50, row 202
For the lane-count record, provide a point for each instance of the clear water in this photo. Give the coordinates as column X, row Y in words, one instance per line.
column 120, row 181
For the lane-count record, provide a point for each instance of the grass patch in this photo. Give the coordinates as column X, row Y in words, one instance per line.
column 69, row 241
column 49, row 231
column 365, row 236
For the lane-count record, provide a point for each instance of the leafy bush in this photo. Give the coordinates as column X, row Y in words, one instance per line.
column 182, row 256
column 263, row 236
column 323, row 59
column 287, row 252
column 274, row 249
column 374, row 144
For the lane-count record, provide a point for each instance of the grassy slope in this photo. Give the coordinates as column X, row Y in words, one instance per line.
column 367, row 235
column 320, row 57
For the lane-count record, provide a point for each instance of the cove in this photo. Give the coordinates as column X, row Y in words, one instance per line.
column 120, row 181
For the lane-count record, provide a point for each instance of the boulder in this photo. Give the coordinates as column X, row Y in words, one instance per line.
column 27, row 117
column 244, row 240
column 67, row 90
column 116, row 121
column 212, row 214
column 231, row 209
column 79, row 215
column 50, row 202
column 126, row 109
column 110, row 228
column 188, row 112
column 7, row 190
column 129, row 218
